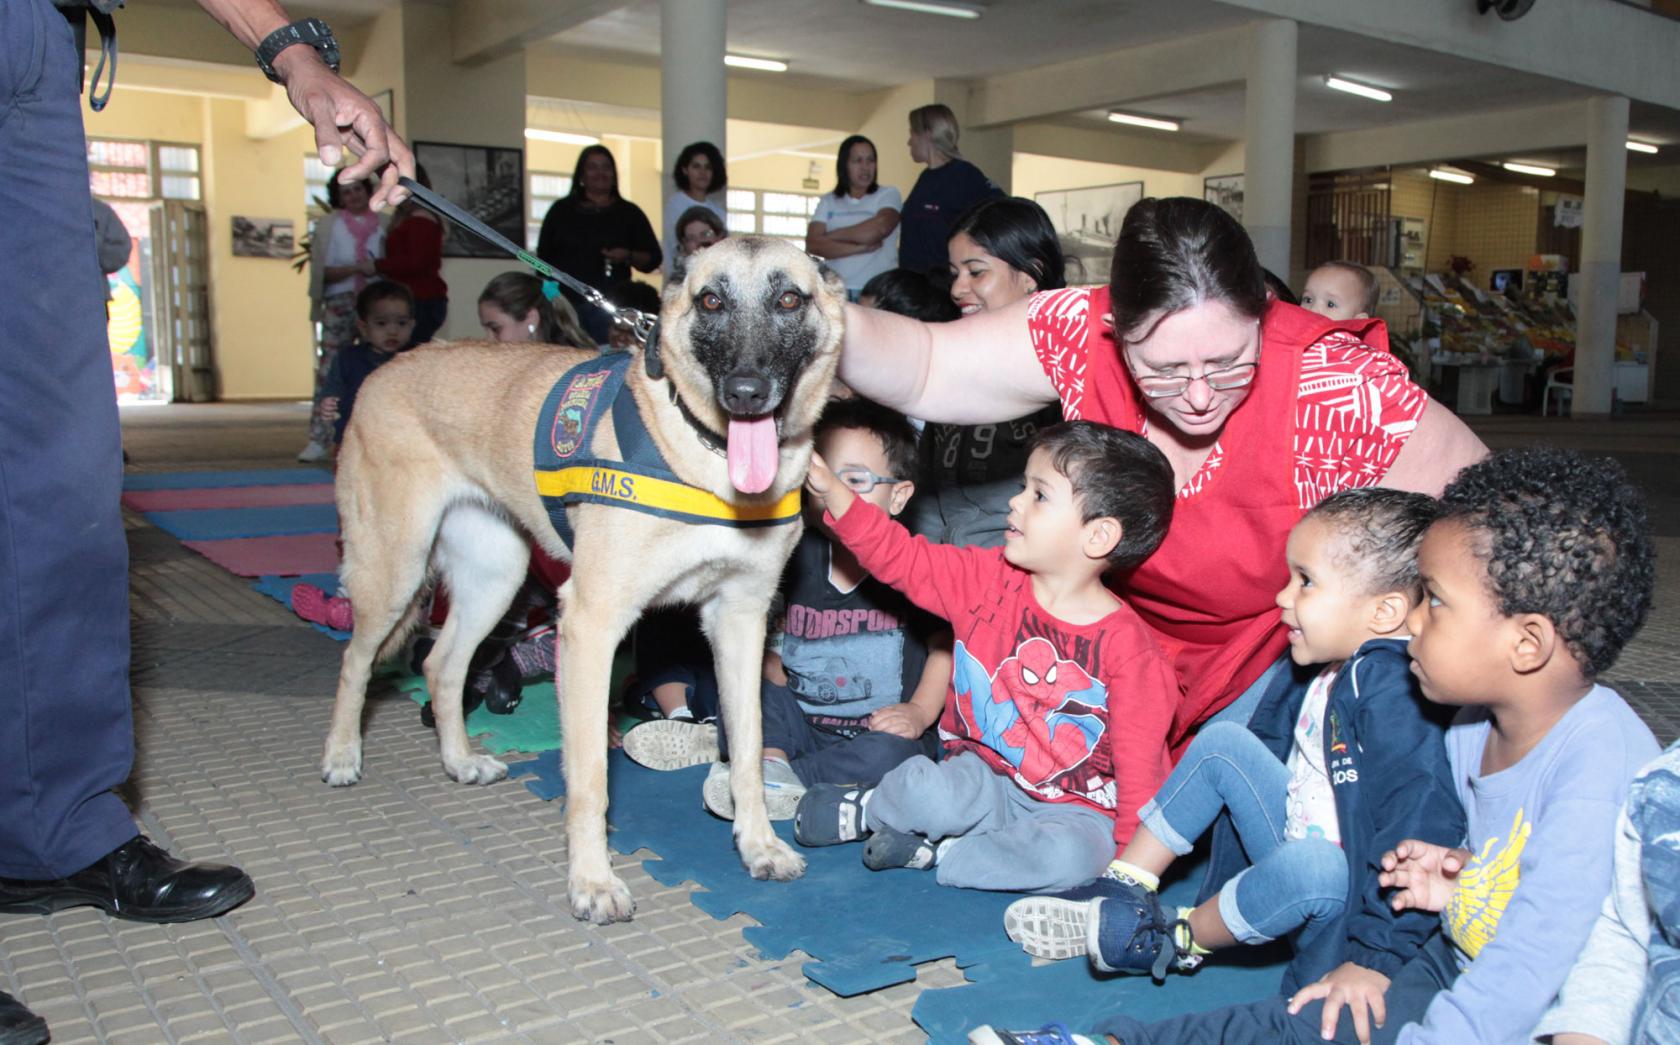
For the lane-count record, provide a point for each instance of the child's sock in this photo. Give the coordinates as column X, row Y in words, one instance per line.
column 682, row 714
column 1131, row 874
column 1181, row 934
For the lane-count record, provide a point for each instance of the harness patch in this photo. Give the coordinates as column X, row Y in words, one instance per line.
column 567, row 474
column 573, row 415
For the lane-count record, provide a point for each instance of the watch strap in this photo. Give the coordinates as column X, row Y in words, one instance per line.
column 311, row 31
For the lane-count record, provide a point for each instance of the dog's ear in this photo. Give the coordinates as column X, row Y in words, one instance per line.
column 829, row 276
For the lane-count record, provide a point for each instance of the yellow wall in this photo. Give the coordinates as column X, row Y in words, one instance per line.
column 1035, row 174
column 149, row 115
column 259, row 307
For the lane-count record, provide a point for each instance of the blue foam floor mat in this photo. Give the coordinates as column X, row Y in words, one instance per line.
column 251, row 477
column 280, row 590
column 866, row 930
column 217, row 524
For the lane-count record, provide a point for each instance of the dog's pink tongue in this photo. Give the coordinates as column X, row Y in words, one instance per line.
column 753, row 454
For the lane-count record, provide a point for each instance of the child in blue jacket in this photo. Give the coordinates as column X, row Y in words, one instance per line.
column 1334, row 769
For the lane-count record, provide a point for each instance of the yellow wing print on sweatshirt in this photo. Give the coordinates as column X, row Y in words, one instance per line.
column 1485, row 889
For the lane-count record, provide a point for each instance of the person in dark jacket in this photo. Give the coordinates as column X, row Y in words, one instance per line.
column 1335, row 768
column 949, row 186
column 596, row 235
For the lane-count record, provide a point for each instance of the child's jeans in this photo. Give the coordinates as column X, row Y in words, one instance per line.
column 1290, row 885
column 1002, row 837
column 820, row 755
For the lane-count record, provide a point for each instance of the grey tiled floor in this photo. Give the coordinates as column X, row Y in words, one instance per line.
column 410, row 908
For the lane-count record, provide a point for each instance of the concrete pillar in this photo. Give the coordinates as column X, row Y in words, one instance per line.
column 693, row 91
column 1269, row 141
column 1601, row 255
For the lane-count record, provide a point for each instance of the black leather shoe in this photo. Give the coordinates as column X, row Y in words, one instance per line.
column 19, row 1026
column 137, row 881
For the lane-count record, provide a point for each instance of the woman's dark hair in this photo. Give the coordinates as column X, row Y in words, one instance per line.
column 1279, row 288
column 1114, row 474
column 583, row 158
column 1564, row 536
column 906, row 292
column 843, row 181
column 1177, row 252
column 335, row 199
column 517, row 293
column 720, row 177
column 1017, row 232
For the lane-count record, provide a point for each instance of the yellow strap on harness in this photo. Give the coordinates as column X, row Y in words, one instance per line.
column 660, row 496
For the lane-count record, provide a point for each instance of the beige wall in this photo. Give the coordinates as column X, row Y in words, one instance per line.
column 259, row 306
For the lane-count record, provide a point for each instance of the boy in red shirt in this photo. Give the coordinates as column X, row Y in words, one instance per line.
column 1055, row 729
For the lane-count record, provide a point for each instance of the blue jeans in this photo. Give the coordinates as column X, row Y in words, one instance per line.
column 66, row 738
column 1295, row 887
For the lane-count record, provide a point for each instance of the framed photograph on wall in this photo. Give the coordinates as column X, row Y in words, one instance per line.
column 262, row 237
column 1226, row 190
column 1087, row 222
column 485, row 180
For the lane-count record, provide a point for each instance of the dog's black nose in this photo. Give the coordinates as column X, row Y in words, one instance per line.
column 746, row 395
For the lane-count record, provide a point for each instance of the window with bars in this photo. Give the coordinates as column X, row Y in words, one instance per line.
column 545, row 188
column 782, row 214
column 142, row 170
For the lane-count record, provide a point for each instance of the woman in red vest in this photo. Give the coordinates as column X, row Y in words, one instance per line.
column 1262, row 408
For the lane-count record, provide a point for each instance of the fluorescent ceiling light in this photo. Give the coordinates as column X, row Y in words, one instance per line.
column 769, row 65
column 561, row 137
column 1529, row 168
column 1376, row 94
column 948, row 8
column 1645, row 147
column 1456, row 177
column 1154, row 122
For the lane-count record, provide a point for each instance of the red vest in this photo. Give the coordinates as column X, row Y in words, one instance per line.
column 1209, row 591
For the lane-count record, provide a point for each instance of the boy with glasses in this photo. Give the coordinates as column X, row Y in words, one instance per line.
column 1056, row 726
column 852, row 689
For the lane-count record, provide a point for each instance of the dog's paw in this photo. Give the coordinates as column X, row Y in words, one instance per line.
column 476, row 769
column 342, row 766
column 601, row 902
column 775, row 860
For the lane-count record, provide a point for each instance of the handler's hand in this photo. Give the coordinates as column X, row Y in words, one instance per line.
column 1358, row 988
column 1422, row 874
column 345, row 117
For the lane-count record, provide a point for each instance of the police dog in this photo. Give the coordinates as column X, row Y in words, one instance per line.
column 435, row 482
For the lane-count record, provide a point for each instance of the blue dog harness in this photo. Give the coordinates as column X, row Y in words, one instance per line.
column 641, row 481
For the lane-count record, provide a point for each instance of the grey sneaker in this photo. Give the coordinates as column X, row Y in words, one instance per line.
column 782, row 790
column 672, row 743
column 314, row 452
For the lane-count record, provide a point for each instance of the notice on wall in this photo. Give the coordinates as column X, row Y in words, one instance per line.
column 1567, row 213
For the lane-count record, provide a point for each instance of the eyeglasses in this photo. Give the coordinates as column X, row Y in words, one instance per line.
column 862, row 480
column 1225, row 379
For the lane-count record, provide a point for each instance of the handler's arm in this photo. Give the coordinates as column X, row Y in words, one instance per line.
column 341, row 115
column 977, row 370
column 1436, row 450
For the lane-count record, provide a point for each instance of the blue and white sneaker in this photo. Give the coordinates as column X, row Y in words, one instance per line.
column 1133, row 935
column 1056, row 926
column 829, row 814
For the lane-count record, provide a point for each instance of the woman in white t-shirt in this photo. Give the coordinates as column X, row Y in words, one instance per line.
column 701, row 179
column 855, row 227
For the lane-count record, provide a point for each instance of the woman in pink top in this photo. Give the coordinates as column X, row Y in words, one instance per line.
column 1262, row 409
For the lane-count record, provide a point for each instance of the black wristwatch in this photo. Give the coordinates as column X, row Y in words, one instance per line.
column 311, row 31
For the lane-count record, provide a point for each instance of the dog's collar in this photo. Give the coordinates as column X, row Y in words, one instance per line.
column 708, row 438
